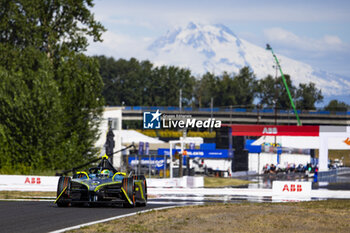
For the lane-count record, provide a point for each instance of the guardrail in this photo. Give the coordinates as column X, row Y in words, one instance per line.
column 263, row 110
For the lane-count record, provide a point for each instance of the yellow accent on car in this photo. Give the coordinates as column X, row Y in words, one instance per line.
column 100, row 186
column 84, row 174
column 127, row 196
column 141, row 189
column 119, row 173
column 60, row 194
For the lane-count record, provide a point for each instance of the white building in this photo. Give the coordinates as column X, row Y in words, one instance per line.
column 113, row 114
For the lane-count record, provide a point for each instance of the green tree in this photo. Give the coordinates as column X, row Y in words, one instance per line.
column 226, row 91
column 127, row 82
column 135, row 83
column 109, row 72
column 47, row 25
column 270, row 90
column 171, row 80
column 29, row 108
column 55, row 90
column 80, row 86
column 235, row 89
column 245, row 84
column 205, row 89
column 335, row 105
column 307, row 96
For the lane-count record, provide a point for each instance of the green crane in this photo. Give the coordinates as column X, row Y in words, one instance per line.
column 268, row 47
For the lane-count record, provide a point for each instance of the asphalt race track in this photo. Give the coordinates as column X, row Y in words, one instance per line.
column 43, row 216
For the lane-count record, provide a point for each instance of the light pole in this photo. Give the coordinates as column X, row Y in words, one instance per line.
column 180, row 100
column 268, row 47
column 211, row 111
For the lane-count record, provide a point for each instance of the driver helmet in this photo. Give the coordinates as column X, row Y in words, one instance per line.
column 105, row 173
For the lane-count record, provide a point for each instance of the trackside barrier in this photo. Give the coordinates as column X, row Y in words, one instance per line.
column 49, row 183
column 28, row 183
column 183, row 182
column 291, row 188
column 167, row 187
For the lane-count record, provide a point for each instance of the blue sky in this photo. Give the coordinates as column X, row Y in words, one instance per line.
column 315, row 32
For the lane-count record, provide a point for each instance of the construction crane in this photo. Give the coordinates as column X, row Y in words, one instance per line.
column 268, row 47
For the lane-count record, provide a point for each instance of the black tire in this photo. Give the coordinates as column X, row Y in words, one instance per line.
column 63, row 182
column 129, row 188
column 143, row 202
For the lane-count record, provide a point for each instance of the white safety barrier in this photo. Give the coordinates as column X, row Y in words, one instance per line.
column 183, row 182
column 28, row 183
column 281, row 190
column 49, row 183
column 291, row 188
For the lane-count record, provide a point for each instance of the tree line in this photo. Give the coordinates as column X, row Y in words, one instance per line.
column 140, row 83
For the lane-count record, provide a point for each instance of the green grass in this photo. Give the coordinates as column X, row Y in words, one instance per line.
column 314, row 216
column 25, row 195
column 215, row 182
column 26, row 171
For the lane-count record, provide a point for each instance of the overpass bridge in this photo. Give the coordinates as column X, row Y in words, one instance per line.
column 245, row 116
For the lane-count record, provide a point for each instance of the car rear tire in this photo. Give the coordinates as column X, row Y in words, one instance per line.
column 129, row 188
column 63, row 182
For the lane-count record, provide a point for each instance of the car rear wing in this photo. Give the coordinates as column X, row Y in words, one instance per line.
column 104, row 163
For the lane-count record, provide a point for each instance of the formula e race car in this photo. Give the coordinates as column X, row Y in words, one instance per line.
column 102, row 184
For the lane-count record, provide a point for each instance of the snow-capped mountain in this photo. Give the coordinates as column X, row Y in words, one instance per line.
column 215, row 48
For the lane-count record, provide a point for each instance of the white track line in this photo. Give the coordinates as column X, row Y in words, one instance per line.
column 27, row 200
column 110, row 219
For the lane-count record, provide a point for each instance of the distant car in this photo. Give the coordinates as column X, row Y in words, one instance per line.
column 338, row 163
column 102, row 184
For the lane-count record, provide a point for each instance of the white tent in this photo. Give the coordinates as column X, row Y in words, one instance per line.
column 334, row 143
column 130, row 136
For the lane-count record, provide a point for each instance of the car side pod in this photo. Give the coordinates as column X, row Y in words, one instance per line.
column 62, row 191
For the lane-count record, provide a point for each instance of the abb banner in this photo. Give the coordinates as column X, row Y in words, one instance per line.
column 275, row 130
column 291, row 188
column 28, row 183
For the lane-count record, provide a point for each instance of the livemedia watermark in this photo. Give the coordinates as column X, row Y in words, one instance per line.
column 157, row 120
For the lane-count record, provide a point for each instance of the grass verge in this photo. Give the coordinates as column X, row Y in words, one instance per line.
column 216, row 182
column 315, row 216
column 25, row 195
